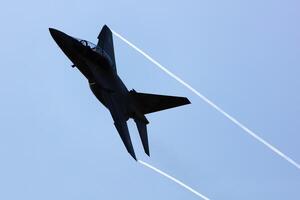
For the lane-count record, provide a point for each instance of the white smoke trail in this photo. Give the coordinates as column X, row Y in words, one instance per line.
column 235, row 121
column 173, row 179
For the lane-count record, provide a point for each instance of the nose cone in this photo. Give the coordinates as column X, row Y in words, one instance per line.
column 64, row 41
column 57, row 35
column 53, row 32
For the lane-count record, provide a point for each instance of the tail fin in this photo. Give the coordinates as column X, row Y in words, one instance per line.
column 105, row 41
column 149, row 103
column 142, row 128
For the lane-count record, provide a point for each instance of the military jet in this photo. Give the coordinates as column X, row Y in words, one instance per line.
column 97, row 63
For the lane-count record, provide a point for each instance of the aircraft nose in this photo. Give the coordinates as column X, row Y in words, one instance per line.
column 56, row 34
column 52, row 30
column 60, row 38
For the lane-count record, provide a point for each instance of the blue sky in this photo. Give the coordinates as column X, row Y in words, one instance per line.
column 58, row 142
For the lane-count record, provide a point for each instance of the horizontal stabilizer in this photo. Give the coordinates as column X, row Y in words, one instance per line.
column 142, row 128
column 124, row 134
column 149, row 103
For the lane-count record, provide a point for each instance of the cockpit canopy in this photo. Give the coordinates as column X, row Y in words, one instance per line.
column 87, row 43
column 97, row 49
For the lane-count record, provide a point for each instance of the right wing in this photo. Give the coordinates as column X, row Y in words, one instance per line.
column 105, row 41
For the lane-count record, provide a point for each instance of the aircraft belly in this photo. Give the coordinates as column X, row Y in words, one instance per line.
column 116, row 102
column 119, row 106
column 102, row 77
column 102, row 95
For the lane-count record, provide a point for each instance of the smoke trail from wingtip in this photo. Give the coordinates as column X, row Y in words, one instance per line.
column 228, row 116
column 173, row 179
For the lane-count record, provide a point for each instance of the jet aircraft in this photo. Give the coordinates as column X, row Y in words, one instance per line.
column 97, row 63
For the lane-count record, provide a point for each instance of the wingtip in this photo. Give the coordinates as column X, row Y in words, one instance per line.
column 187, row 101
column 105, row 27
column 148, row 153
column 133, row 155
column 146, row 150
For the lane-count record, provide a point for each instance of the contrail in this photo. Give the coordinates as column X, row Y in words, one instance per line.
column 173, row 179
column 228, row 116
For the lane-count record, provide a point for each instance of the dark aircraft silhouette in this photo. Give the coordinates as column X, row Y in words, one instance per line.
column 97, row 63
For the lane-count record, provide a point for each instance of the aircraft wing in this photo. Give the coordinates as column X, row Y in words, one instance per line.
column 105, row 41
column 149, row 103
column 122, row 129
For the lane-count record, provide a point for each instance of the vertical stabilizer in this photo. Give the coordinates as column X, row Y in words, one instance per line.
column 142, row 128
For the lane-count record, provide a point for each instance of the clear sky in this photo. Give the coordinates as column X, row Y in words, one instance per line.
column 58, row 142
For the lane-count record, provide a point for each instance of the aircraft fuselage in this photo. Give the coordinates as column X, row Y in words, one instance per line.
column 97, row 64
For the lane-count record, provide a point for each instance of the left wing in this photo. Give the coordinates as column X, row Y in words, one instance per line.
column 124, row 134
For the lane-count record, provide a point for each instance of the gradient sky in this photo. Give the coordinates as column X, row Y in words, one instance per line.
column 58, row 142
